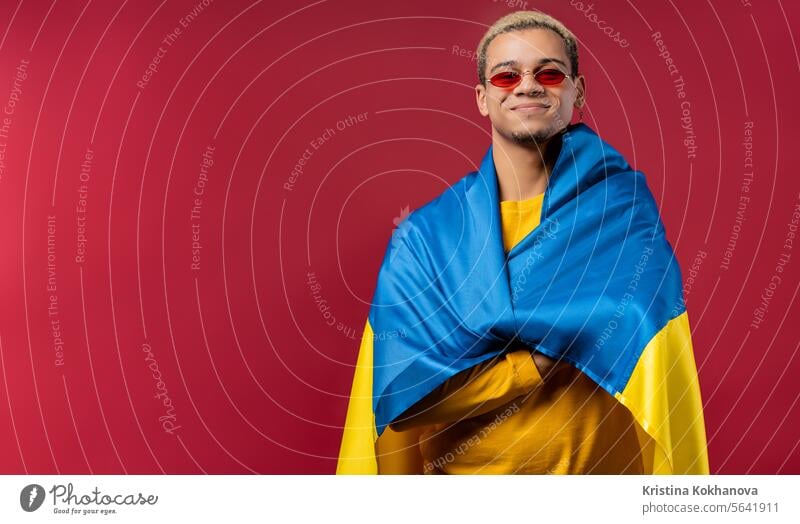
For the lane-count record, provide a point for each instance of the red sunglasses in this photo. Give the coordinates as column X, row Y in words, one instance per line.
column 545, row 77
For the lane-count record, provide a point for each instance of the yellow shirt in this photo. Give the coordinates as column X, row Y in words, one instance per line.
column 500, row 417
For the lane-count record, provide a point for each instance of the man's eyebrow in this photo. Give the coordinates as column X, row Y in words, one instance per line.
column 541, row 61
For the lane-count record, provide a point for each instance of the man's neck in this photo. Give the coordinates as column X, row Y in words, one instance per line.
column 522, row 169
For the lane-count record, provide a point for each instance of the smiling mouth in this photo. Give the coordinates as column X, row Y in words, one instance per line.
column 530, row 108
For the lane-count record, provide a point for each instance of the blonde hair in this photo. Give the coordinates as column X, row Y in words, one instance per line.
column 518, row 21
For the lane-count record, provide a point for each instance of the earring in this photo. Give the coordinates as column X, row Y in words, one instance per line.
column 580, row 110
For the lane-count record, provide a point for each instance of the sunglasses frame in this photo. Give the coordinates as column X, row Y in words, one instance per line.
column 522, row 74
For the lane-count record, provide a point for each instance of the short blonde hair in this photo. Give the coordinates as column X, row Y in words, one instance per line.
column 518, row 21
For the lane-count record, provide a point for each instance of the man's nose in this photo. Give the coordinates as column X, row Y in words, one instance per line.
column 528, row 83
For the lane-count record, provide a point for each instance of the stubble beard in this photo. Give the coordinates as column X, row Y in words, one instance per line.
column 531, row 137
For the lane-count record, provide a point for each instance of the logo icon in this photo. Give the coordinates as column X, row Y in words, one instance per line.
column 31, row 497
column 401, row 230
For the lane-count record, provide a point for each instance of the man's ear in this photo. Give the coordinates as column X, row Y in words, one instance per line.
column 580, row 86
column 480, row 98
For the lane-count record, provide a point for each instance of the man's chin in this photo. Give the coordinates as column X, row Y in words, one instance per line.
column 532, row 136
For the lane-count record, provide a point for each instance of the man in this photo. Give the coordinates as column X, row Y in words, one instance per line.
column 546, row 327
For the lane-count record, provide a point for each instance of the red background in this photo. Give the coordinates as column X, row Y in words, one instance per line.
column 258, row 379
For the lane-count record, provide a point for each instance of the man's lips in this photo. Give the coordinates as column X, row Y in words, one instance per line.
column 530, row 107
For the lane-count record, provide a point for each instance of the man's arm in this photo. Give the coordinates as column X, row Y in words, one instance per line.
column 478, row 390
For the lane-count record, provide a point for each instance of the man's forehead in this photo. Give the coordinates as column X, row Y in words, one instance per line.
column 529, row 45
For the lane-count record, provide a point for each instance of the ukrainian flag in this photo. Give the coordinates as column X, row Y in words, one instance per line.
column 595, row 284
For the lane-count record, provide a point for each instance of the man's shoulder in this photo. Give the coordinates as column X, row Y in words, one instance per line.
column 443, row 206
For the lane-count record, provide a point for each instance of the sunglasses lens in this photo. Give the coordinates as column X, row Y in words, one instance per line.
column 549, row 77
column 505, row 79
